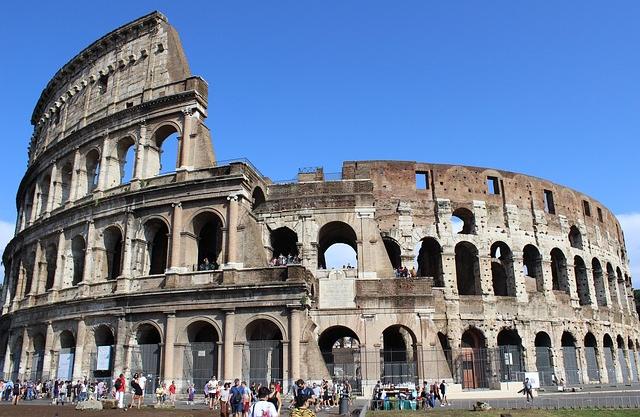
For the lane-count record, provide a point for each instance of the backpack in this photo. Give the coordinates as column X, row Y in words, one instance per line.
column 236, row 398
column 117, row 384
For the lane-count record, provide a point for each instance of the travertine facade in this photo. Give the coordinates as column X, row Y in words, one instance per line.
column 535, row 276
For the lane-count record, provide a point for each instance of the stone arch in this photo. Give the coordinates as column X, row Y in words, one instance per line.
column 161, row 160
column 393, row 251
column 51, row 258
column 509, row 344
column 430, row 261
column 43, row 197
column 284, row 242
column 103, row 343
column 65, row 177
column 38, row 341
column 582, row 281
column 258, row 199
column 559, row 274
column 146, row 339
column 609, row 349
column 613, row 286
column 575, row 237
column 113, row 242
column 29, row 206
column 121, row 166
column 263, row 355
column 183, row 336
column 332, row 233
column 90, row 177
column 467, row 269
column 146, row 331
column 463, row 221
column 78, row 250
column 471, row 360
column 340, row 349
column 399, row 354
column 156, row 234
column 622, row 290
column 502, row 275
column 532, row 263
column 591, row 357
column 598, row 282
column 207, row 244
column 571, row 368
column 201, row 357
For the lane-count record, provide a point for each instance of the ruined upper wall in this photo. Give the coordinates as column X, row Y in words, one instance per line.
column 116, row 72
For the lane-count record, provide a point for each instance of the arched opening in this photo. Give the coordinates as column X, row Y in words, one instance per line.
column 102, row 360
column 284, row 243
column 343, row 237
column 37, row 357
column 44, row 194
column 167, row 144
column 145, row 354
column 340, row 348
column 510, row 346
column 532, row 261
column 66, row 176
column 156, row 234
column 66, row 356
column 463, row 222
column 632, row 360
column 200, row 361
column 28, row 207
column 430, row 261
column 262, row 355
column 258, row 200
column 613, row 286
column 504, row 282
column 582, row 281
column 399, row 356
column 113, row 252
column 622, row 290
column 78, row 250
column 207, row 226
column 569, row 353
column 622, row 361
column 92, row 167
column 472, row 366
column 443, row 343
column 559, row 271
column 51, row 258
column 598, row 282
column 544, row 358
column 393, row 251
column 591, row 356
column 467, row 269
column 575, row 237
column 608, row 348
column 29, row 268
column 126, row 156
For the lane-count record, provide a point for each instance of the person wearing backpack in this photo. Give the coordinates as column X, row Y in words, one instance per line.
column 235, row 399
column 263, row 408
column 120, row 385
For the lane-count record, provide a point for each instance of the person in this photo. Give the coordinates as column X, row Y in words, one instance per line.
column 246, row 399
column 302, row 407
column 235, row 398
column 317, row 395
column 191, row 394
column 172, row 392
column 120, row 385
column 142, row 381
column 160, row 393
column 274, row 397
column 136, row 391
column 211, row 392
column 528, row 389
column 443, row 393
column 224, row 400
column 263, row 408
column 62, row 392
column 16, row 392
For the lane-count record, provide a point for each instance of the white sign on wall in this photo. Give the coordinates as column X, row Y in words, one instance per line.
column 104, row 358
column 534, row 379
column 65, row 366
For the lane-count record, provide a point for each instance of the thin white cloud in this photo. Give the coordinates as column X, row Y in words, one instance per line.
column 6, row 234
column 630, row 223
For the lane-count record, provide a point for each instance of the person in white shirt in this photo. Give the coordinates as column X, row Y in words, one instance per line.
column 142, row 381
column 263, row 408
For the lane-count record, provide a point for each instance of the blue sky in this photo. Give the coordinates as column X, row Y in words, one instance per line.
column 545, row 88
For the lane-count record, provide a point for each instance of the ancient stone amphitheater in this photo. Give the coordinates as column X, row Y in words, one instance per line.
column 125, row 262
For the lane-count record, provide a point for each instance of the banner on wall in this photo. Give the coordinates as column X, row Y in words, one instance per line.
column 104, row 358
column 65, row 366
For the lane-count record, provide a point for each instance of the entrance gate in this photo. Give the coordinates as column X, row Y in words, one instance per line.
column 344, row 363
column 146, row 359
column 200, row 363
column 262, row 361
column 571, row 369
column 544, row 364
column 470, row 365
column 611, row 369
column 592, row 364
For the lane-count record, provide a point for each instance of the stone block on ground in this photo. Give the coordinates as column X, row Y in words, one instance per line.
column 109, row 404
column 90, row 404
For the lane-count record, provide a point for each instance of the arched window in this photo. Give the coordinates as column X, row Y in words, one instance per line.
column 463, row 222
column 258, row 199
column 156, row 234
column 591, row 356
column 571, row 369
column 510, row 346
column 393, row 251
column 78, row 253
column 340, row 349
column 104, row 341
column 200, row 362
column 399, row 355
column 92, row 168
column 504, row 283
column 67, row 351
column 582, row 281
column 284, row 243
column 608, row 349
column 28, row 210
column 559, row 271
column 113, row 248
column 164, row 157
column 544, row 358
column 145, row 353
column 471, row 363
column 262, row 359
column 44, row 194
column 598, row 282
column 622, row 290
column 613, row 287
column 430, row 261
column 121, row 168
column 37, row 357
column 66, row 175
column 337, row 245
column 467, row 269
column 575, row 238
column 532, row 261
column 622, row 362
column 51, row 257
column 207, row 227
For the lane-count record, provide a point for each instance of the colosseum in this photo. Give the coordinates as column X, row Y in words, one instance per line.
column 182, row 269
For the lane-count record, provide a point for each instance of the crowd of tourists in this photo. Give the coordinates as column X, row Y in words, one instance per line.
column 59, row 391
column 404, row 272
column 206, row 265
column 429, row 395
column 282, row 260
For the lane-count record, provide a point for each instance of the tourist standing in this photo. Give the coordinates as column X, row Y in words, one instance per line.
column 263, row 408
column 172, row 392
column 236, row 398
column 302, row 407
column 120, row 385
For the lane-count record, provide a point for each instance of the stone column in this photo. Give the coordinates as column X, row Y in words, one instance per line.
column 48, row 346
column 73, row 191
column 60, row 261
column 89, row 254
column 176, row 233
column 170, row 337
column 38, row 282
column 141, row 146
column 186, row 150
column 616, row 363
column 77, row 361
column 228, row 336
column 6, row 369
column 232, row 232
column 24, row 354
column 102, row 176
column 127, row 244
column 52, row 189
column 294, row 323
column 35, row 205
column 118, row 361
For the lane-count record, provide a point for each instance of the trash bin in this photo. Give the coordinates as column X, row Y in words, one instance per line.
column 344, row 406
